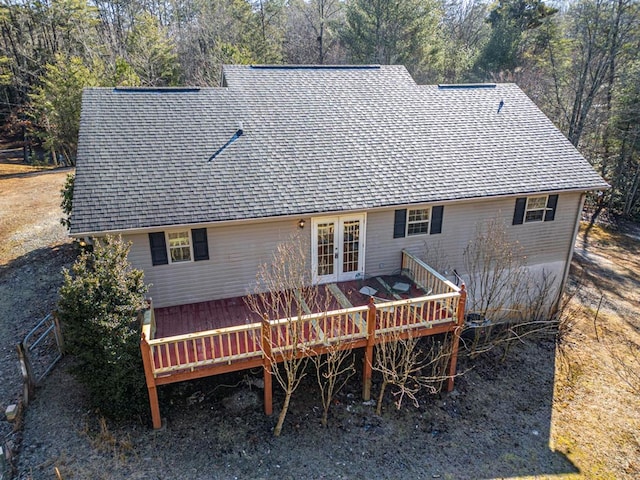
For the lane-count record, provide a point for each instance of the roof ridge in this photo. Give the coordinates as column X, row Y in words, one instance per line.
column 315, row 67
column 156, row 89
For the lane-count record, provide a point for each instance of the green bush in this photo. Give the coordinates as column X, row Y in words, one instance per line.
column 66, row 195
column 98, row 306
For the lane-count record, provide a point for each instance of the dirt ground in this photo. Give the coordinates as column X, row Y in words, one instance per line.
column 545, row 412
column 33, row 249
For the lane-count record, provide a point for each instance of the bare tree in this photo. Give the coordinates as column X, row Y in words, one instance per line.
column 408, row 368
column 283, row 294
column 495, row 266
column 311, row 33
column 333, row 370
column 434, row 255
column 508, row 301
column 600, row 27
column 466, row 30
column 319, row 15
column 536, row 295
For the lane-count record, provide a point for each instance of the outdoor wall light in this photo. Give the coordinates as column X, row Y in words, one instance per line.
column 301, row 223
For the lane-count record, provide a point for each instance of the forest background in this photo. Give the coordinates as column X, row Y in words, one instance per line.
column 577, row 60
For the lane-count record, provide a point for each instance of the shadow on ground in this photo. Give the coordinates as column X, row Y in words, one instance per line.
column 48, row 170
column 495, row 424
column 46, row 260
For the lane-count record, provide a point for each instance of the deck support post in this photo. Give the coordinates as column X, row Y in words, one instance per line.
column 456, row 338
column 266, row 365
column 145, row 349
column 368, row 352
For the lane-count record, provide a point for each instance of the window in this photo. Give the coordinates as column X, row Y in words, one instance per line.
column 418, row 221
column 534, row 211
column 179, row 246
column 541, row 208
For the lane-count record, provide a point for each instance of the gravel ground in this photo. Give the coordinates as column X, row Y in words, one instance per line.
column 34, row 247
column 492, row 425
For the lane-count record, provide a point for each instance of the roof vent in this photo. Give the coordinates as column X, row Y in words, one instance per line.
column 465, row 86
column 235, row 136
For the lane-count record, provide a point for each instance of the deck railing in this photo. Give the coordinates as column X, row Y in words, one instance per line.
column 426, row 277
column 308, row 332
column 193, row 350
column 418, row 312
column 318, row 329
column 148, row 320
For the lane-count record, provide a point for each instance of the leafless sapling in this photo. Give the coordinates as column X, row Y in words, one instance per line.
column 283, row 295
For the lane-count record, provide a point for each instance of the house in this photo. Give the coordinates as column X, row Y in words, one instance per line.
column 205, row 182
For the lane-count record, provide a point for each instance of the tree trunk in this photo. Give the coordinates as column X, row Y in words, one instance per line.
column 380, row 397
column 283, row 413
column 25, row 146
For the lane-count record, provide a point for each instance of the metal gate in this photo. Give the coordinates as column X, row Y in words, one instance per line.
column 40, row 350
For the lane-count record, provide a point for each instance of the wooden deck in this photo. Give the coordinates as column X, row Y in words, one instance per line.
column 208, row 338
column 232, row 312
column 203, row 316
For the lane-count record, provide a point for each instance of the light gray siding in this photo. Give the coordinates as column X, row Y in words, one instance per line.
column 542, row 242
column 236, row 251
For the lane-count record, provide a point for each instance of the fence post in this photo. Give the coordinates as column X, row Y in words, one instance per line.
column 456, row 337
column 27, row 373
column 58, row 333
column 267, row 365
column 368, row 353
column 145, row 349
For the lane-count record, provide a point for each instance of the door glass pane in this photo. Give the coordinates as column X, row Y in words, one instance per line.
column 350, row 246
column 326, row 248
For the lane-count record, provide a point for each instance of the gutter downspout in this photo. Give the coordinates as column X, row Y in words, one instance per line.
column 567, row 267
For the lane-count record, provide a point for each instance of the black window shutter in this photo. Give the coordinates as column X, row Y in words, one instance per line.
column 518, row 215
column 158, row 248
column 200, row 245
column 399, row 223
column 550, row 213
column 436, row 220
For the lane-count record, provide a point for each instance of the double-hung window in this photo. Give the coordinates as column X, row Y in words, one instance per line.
column 418, row 221
column 535, row 209
column 179, row 246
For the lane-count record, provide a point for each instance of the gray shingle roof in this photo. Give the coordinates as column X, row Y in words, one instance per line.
column 315, row 140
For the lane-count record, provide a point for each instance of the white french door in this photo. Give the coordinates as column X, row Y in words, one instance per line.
column 338, row 248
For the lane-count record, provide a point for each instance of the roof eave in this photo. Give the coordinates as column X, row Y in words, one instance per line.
column 138, row 230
